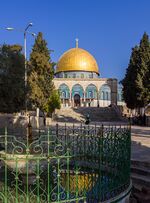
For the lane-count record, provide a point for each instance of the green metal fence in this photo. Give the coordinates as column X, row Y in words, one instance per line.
column 65, row 164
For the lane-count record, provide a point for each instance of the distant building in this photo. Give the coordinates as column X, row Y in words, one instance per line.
column 78, row 79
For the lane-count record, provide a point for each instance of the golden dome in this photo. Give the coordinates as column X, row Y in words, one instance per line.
column 77, row 59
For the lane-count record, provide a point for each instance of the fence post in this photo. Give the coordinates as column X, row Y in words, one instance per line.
column 48, row 167
column 100, row 159
column 6, row 166
column 57, row 130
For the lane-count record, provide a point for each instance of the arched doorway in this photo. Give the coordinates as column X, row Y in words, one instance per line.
column 77, row 95
column 76, row 100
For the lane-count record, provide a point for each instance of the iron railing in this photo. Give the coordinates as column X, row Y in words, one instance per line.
column 65, row 164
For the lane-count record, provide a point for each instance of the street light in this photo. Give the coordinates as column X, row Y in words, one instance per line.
column 25, row 51
column 25, row 31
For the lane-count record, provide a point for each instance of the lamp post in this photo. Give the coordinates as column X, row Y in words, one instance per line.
column 25, row 32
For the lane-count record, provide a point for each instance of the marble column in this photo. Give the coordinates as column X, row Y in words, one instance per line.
column 98, row 98
column 84, row 99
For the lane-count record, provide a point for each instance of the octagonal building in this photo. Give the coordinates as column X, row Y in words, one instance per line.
column 78, row 79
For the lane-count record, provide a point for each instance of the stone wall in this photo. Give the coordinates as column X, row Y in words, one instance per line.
column 19, row 121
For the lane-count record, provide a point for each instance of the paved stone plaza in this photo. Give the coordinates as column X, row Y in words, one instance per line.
column 141, row 143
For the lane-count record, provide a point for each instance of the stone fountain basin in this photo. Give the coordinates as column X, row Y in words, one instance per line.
column 22, row 163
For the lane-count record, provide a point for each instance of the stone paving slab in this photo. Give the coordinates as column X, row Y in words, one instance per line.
column 140, row 130
column 140, row 149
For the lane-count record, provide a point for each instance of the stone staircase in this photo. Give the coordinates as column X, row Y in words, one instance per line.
column 140, row 175
column 101, row 114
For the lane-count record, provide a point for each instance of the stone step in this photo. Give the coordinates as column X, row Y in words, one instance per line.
column 140, row 170
column 137, row 163
column 96, row 114
column 140, row 174
column 137, row 187
column 140, row 179
column 141, row 196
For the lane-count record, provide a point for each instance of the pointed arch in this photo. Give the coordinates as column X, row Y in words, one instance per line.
column 78, row 89
column 64, row 91
column 105, row 92
column 91, row 92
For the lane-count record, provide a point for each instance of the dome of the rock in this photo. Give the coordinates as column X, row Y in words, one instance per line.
column 77, row 59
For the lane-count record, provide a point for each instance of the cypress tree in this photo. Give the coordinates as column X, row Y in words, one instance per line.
column 129, row 87
column 143, row 80
column 136, row 83
column 41, row 73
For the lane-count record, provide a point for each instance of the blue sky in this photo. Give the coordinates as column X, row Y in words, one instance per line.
column 108, row 29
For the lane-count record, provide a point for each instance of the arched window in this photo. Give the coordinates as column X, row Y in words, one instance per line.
column 102, row 95
column 120, row 97
column 90, row 75
column 64, row 91
column 66, row 75
column 63, row 94
column 91, row 92
column 82, row 75
column 77, row 89
column 107, row 96
column 105, row 93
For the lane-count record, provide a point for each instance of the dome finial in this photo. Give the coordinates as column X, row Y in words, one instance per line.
column 77, row 42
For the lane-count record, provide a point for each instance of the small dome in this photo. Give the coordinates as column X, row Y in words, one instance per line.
column 77, row 59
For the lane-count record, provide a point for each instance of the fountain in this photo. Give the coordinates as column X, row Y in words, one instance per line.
column 68, row 164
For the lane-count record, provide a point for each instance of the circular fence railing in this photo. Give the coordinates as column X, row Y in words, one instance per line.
column 66, row 164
